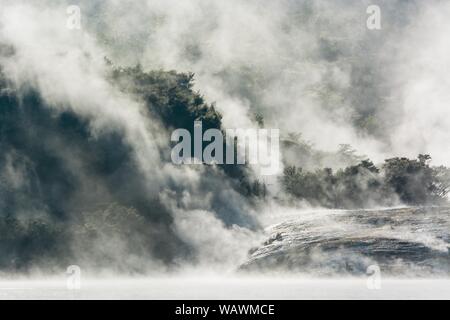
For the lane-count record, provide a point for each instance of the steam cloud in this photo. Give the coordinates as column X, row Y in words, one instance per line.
column 306, row 66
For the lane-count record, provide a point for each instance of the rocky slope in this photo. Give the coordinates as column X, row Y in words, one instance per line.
column 401, row 242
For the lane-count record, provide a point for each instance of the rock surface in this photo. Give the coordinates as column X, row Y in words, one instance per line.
column 401, row 242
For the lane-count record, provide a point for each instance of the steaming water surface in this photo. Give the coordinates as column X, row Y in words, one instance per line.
column 227, row 288
column 311, row 255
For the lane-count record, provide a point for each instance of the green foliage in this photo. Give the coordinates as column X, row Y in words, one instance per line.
column 111, row 236
column 31, row 242
column 36, row 179
column 413, row 182
column 140, row 226
column 347, row 154
column 169, row 96
column 259, row 118
column 252, row 189
column 302, row 153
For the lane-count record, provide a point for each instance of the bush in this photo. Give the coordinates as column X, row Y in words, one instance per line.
column 413, row 182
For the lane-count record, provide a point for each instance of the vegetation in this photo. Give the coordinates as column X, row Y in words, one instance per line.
column 170, row 97
column 34, row 242
column 399, row 180
column 301, row 153
column 65, row 193
column 57, row 180
column 110, row 235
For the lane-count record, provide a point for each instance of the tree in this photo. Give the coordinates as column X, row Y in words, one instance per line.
column 415, row 181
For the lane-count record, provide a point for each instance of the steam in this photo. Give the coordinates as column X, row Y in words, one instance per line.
column 306, row 66
column 422, row 85
column 68, row 70
column 303, row 65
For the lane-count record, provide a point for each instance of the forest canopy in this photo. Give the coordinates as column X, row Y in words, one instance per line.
column 397, row 180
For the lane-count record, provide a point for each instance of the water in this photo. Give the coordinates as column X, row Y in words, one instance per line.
column 227, row 288
column 309, row 255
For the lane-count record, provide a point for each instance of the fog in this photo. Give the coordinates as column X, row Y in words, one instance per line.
column 199, row 288
column 307, row 67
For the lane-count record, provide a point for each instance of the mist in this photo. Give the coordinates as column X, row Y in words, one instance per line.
column 87, row 153
column 301, row 64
